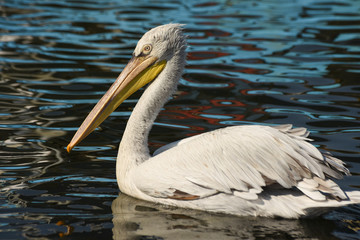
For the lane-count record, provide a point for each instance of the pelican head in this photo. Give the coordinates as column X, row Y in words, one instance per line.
column 153, row 51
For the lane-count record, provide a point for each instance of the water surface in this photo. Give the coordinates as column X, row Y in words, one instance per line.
column 250, row 62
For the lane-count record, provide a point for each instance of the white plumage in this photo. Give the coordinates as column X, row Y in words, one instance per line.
column 241, row 170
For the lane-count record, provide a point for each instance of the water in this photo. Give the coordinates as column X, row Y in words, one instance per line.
column 250, row 62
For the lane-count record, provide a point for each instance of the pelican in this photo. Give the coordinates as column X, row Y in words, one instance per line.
column 241, row 170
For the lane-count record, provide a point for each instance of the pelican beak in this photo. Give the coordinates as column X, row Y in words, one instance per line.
column 137, row 73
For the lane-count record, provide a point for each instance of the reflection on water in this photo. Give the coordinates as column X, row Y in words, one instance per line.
column 136, row 219
column 249, row 62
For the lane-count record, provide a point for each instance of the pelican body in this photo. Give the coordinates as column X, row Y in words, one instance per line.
column 241, row 170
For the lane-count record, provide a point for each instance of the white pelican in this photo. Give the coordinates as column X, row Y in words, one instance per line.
column 240, row 170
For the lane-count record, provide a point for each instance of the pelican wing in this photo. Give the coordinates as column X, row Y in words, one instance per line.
column 240, row 160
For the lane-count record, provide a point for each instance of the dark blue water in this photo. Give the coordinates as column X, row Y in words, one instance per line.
column 250, row 62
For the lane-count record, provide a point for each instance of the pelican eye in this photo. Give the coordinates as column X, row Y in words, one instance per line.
column 147, row 49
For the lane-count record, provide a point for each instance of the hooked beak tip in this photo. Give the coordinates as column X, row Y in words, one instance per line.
column 68, row 148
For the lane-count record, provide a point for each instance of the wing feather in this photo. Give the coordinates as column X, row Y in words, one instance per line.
column 242, row 161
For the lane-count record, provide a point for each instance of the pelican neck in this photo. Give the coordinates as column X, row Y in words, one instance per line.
column 134, row 143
